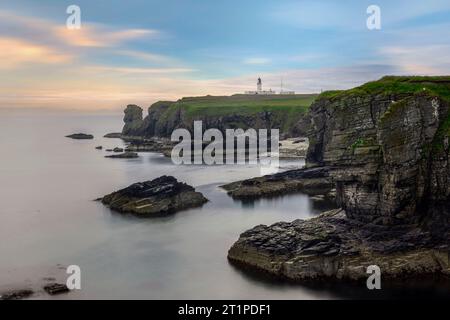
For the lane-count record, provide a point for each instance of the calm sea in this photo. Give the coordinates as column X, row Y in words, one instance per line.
column 48, row 219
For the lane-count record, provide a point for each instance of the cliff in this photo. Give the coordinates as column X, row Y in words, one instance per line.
column 384, row 149
column 388, row 144
column 222, row 112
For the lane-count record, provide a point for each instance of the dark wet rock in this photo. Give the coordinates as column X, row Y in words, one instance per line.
column 312, row 181
column 117, row 149
column 113, row 135
column 80, row 136
column 56, row 288
column 161, row 196
column 331, row 246
column 99, row 147
column 125, row 155
column 16, row 294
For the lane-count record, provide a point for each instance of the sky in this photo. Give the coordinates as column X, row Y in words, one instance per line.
column 139, row 52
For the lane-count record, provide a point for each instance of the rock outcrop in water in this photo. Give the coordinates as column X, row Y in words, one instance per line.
column 80, row 136
column 56, row 288
column 16, row 294
column 112, row 135
column 385, row 146
column 124, row 155
column 314, row 181
column 161, row 196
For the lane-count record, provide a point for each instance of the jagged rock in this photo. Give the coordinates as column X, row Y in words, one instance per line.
column 313, row 181
column 332, row 246
column 80, row 136
column 56, row 288
column 117, row 149
column 161, row 196
column 16, row 294
column 133, row 120
column 113, row 135
column 125, row 155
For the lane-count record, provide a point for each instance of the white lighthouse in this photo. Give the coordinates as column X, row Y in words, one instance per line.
column 259, row 89
column 259, row 85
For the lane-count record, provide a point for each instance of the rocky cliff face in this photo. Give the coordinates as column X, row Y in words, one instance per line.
column 390, row 158
column 165, row 116
column 385, row 146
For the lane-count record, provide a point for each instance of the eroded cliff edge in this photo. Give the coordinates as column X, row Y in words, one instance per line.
column 384, row 148
column 284, row 112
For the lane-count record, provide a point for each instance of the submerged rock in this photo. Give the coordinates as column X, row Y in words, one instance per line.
column 99, row 147
column 113, row 135
column 161, row 196
column 80, row 136
column 16, row 294
column 125, row 155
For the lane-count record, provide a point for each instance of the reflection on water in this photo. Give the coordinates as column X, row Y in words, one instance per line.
column 49, row 220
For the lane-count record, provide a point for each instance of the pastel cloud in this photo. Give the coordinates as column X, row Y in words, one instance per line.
column 92, row 35
column 129, row 70
column 16, row 52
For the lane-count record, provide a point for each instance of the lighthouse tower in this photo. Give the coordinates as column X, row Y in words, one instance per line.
column 259, row 85
column 259, row 89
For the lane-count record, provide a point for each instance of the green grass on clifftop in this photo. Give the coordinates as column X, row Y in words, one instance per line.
column 245, row 104
column 439, row 85
column 285, row 109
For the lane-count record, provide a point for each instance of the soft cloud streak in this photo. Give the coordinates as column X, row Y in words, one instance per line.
column 93, row 35
column 19, row 53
